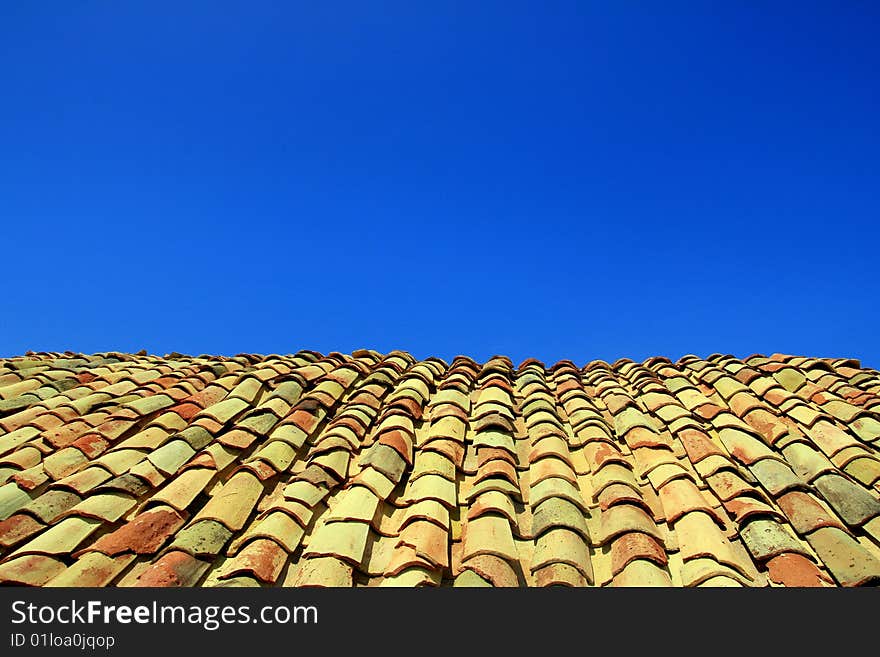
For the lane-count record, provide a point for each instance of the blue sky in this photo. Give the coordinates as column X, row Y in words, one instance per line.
column 552, row 179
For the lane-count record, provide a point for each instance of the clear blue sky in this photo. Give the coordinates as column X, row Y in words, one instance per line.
column 552, row 179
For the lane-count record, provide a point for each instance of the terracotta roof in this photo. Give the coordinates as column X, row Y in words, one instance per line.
column 370, row 469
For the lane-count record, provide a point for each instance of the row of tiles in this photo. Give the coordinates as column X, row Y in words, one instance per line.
column 366, row 469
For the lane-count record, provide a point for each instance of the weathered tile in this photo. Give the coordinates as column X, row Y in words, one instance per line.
column 126, row 483
column 720, row 581
column 429, row 541
column 622, row 518
column 850, row 500
column 701, row 570
column 830, row 438
column 344, row 540
column 591, row 431
column 355, row 503
column 872, row 529
column 560, row 574
column 121, row 461
column 492, row 501
column 556, row 488
column 642, row 573
column 262, row 558
column 277, row 526
column 806, row 513
column 12, row 498
column 558, row 512
column 144, row 534
column 24, row 457
column 314, row 475
column 225, row 410
column 746, row 508
column 470, row 579
column 85, row 480
column 401, row 442
column 635, row 545
column 743, row 446
column 61, row 538
column 108, row 507
column 613, row 473
column 233, row 503
column 171, row 456
column 641, row 437
column 148, row 473
column 849, row 562
column 173, row 569
column 552, row 446
column 386, row 460
column 17, row 528
column 713, row 464
column 433, row 511
column 63, row 463
column 600, row 453
column 620, row 494
column 767, row 538
column 404, row 558
column 699, row 536
column 648, row 459
column 492, row 420
column 484, row 455
column 321, row 572
column 494, row 438
column 150, row 438
column 92, row 569
column 203, row 538
column 304, row 492
column 489, row 534
column 806, row 461
column 432, row 487
column 562, row 546
column 335, row 462
column 51, row 505
column 240, row 581
column 663, row 474
column 30, row 570
column 682, row 496
column 451, row 449
column 430, row 462
column 31, row 478
column 376, row 482
column 848, row 454
column 864, row 470
column 492, row 569
column 867, row 428
column 288, row 432
column 449, row 426
column 379, row 553
column 183, row 489
column 413, row 577
column 497, row 468
column 14, row 439
column 727, row 485
column 629, row 418
column 776, row 477
column 796, row 570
